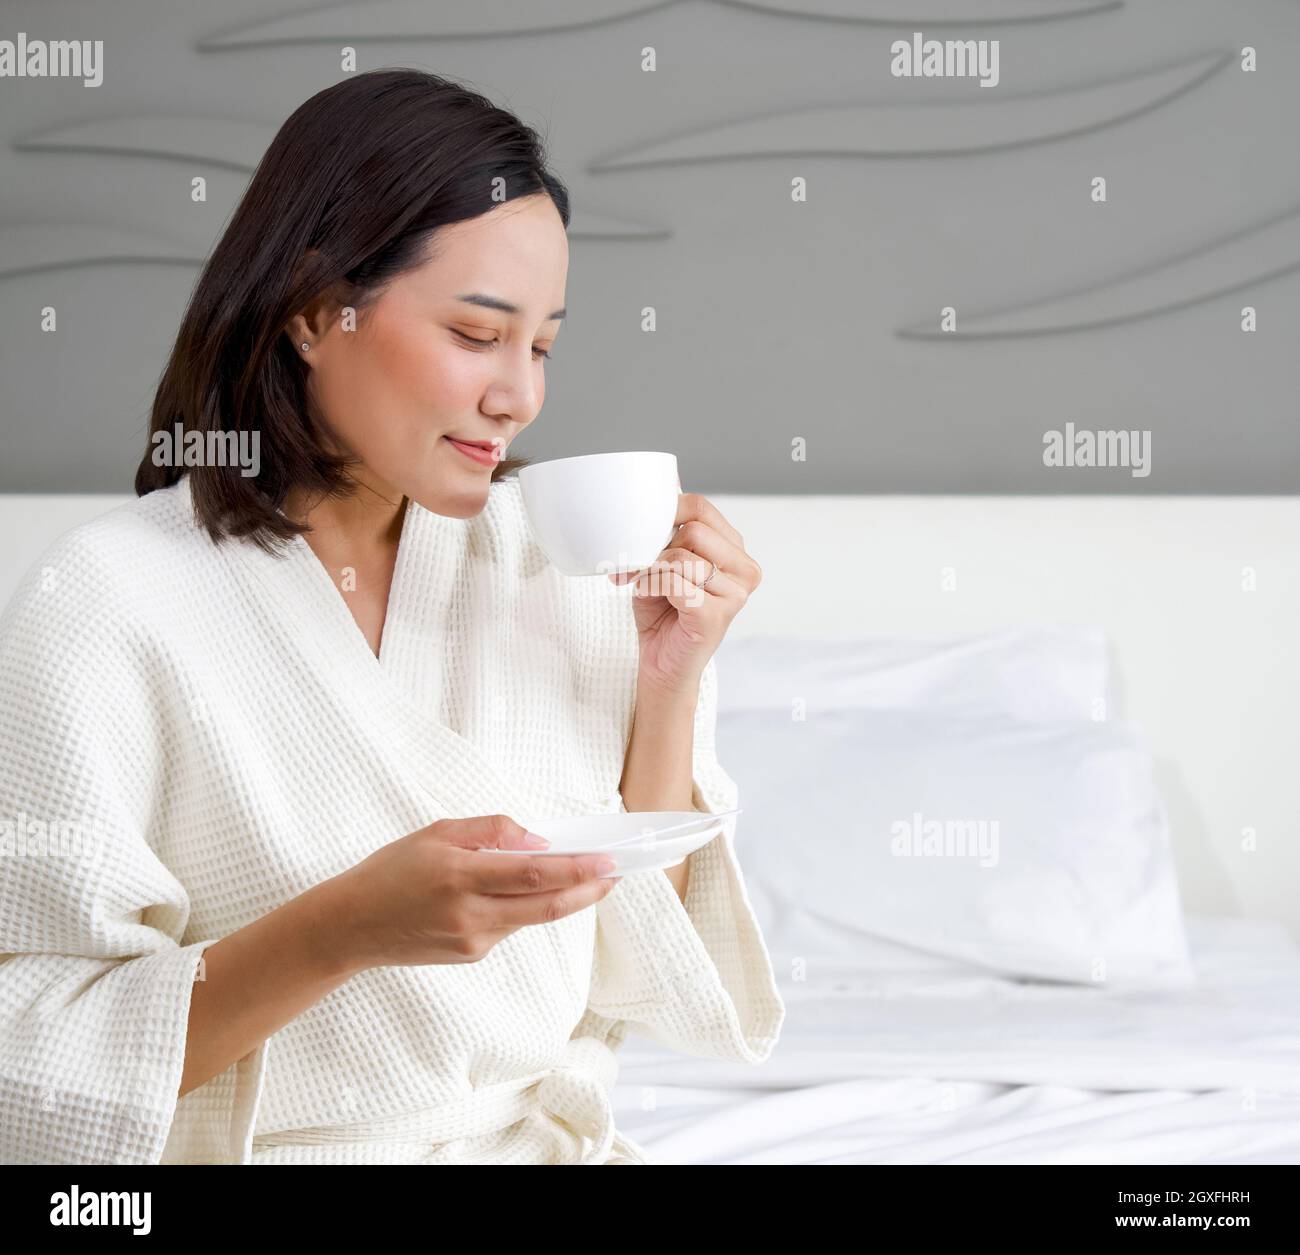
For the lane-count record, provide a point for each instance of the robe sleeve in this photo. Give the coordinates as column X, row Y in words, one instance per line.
column 96, row 973
column 695, row 976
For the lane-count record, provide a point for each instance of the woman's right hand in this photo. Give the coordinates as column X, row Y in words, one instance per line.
column 434, row 897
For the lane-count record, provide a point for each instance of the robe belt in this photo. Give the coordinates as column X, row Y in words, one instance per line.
column 574, row 1091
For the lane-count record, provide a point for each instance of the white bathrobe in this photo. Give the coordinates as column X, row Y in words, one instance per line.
column 211, row 725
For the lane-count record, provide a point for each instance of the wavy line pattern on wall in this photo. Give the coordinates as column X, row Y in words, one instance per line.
column 209, row 141
column 918, row 14
column 1246, row 258
column 419, row 19
column 31, row 247
column 239, row 146
column 931, row 128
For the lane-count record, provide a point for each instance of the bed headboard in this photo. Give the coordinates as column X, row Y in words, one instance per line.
column 1200, row 597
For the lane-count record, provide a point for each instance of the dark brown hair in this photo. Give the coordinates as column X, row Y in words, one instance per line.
column 346, row 198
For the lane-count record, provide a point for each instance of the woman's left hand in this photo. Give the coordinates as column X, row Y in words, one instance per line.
column 680, row 624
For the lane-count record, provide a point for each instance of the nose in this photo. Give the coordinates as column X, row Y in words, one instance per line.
column 518, row 390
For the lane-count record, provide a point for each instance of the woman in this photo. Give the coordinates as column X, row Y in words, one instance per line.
column 261, row 719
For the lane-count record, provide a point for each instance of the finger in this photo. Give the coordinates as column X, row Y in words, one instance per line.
column 708, row 543
column 684, row 594
column 486, row 831
column 690, row 570
column 493, row 875
column 517, row 910
column 693, row 505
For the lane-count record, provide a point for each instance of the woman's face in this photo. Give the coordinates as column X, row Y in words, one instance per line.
column 411, row 374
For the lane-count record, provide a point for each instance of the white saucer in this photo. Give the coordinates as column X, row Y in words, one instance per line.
column 631, row 839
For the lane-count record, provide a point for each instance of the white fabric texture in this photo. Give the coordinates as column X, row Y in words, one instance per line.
column 216, row 723
column 1032, row 848
column 1037, row 672
column 952, row 1067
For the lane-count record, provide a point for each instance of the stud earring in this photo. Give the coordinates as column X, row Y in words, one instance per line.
column 305, row 346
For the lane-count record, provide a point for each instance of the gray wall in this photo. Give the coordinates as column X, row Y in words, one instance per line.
column 776, row 319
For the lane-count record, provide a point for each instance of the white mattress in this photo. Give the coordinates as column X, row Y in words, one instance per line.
column 956, row 1066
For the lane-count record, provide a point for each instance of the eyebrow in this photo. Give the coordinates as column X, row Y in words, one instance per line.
column 495, row 302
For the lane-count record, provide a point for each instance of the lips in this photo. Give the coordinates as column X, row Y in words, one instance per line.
column 479, row 444
column 485, row 454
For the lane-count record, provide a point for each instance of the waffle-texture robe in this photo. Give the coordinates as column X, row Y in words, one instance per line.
column 192, row 734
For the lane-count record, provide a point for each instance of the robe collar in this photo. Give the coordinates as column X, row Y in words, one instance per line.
column 396, row 693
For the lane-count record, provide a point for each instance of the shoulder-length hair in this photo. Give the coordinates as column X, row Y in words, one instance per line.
column 344, row 200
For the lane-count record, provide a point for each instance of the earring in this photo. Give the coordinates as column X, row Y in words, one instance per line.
column 305, row 346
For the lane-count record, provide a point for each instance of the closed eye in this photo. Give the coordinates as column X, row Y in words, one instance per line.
column 489, row 343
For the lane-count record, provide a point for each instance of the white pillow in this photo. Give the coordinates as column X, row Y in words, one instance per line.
column 1079, row 886
column 1032, row 672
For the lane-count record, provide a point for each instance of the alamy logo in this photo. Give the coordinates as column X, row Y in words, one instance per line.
column 102, row 1207
column 24, row 836
column 919, row 837
column 179, row 447
column 54, row 58
column 946, row 58
column 1099, row 448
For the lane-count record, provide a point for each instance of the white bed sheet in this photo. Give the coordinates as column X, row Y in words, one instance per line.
column 950, row 1066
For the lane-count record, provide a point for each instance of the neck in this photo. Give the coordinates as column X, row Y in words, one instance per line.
column 371, row 517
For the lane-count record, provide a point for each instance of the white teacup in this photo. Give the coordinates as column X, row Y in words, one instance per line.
column 602, row 513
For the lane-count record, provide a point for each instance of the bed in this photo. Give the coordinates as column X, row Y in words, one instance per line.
column 931, row 1019
column 898, row 1048
column 915, row 1067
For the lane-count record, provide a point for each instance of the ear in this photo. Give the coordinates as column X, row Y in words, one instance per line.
column 312, row 322
column 308, row 328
